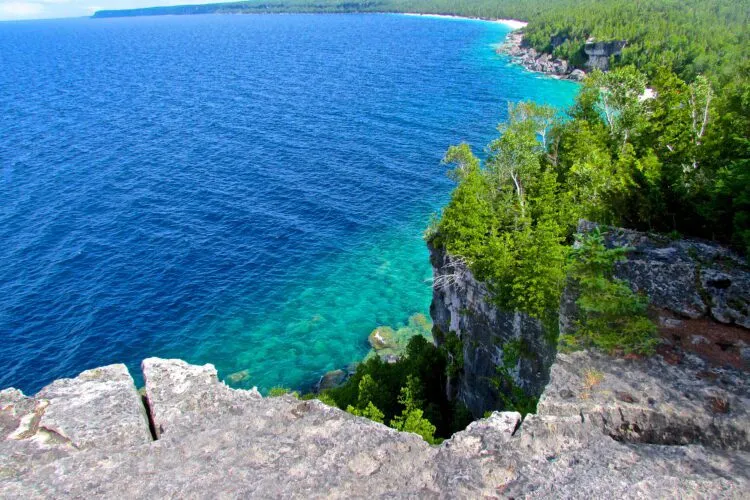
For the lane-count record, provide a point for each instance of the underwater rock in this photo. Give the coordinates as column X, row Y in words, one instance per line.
column 382, row 338
column 331, row 379
column 240, row 376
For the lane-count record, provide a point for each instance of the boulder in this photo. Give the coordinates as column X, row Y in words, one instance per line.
column 577, row 75
column 182, row 396
column 383, row 337
column 331, row 379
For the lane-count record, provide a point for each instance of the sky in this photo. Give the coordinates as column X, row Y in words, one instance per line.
column 46, row 9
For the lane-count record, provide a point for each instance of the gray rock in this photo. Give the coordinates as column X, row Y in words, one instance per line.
column 178, row 393
column 651, row 401
column 577, row 75
column 599, row 53
column 99, row 409
column 691, row 278
column 331, row 379
column 224, row 443
column 529, row 58
column 462, row 305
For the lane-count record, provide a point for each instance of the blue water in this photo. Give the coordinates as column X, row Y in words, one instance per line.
column 248, row 191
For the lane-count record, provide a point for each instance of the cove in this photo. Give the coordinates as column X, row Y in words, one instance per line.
column 247, row 191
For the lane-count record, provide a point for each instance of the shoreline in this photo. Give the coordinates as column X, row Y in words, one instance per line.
column 513, row 24
column 537, row 62
column 512, row 46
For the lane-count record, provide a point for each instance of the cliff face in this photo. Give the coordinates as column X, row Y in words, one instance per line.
column 532, row 60
column 698, row 292
column 461, row 305
column 676, row 425
column 599, row 53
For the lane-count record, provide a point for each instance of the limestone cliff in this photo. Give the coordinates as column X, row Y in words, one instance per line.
column 89, row 437
column 461, row 305
column 675, row 425
column 699, row 294
column 599, row 53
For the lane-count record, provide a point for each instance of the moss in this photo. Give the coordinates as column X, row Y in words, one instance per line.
column 281, row 391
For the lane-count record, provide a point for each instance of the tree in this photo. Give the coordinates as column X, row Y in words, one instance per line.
column 412, row 418
column 621, row 95
column 515, row 155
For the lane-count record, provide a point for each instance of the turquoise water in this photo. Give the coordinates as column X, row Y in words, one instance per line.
column 247, row 191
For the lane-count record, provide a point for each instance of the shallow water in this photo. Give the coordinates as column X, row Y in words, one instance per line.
column 248, row 191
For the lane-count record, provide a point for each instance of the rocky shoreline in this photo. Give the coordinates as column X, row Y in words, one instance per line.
column 538, row 62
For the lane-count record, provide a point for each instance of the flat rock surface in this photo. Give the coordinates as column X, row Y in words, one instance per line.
column 217, row 442
column 99, row 409
column 652, row 401
column 182, row 396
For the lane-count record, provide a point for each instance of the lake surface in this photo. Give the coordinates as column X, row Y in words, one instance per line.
column 248, row 191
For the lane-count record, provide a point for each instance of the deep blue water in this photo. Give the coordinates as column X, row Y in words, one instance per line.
column 248, row 191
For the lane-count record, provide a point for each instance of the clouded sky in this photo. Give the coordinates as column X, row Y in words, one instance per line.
column 45, row 9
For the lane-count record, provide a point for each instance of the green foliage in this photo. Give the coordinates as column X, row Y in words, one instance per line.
column 412, row 418
column 675, row 162
column 325, row 398
column 380, row 391
column 513, row 397
column 369, row 411
column 281, row 391
column 611, row 316
column 508, row 219
column 454, row 350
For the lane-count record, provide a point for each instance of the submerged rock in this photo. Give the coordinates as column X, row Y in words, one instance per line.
column 382, row 338
column 238, row 377
column 331, row 379
column 390, row 345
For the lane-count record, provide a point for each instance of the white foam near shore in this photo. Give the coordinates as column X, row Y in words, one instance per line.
column 513, row 24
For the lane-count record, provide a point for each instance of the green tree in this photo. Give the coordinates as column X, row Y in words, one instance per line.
column 620, row 100
column 610, row 315
column 412, row 417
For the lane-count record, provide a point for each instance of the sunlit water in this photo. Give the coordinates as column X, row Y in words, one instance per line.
column 248, row 191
